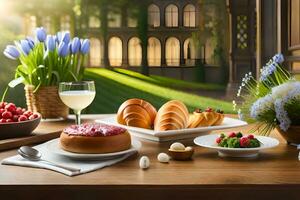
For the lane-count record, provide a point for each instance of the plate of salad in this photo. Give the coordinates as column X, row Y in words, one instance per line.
column 236, row 144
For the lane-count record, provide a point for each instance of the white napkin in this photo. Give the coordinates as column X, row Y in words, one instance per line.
column 84, row 166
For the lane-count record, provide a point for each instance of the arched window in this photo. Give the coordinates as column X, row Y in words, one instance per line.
column 153, row 15
column 94, row 16
column 171, row 15
column 134, row 52
column 95, row 52
column 132, row 19
column 154, row 52
column 114, row 18
column 115, row 51
column 189, row 52
column 172, row 51
column 189, row 16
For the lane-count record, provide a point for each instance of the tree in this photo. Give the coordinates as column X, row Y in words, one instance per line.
column 214, row 27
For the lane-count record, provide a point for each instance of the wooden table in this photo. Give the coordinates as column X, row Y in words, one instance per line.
column 275, row 174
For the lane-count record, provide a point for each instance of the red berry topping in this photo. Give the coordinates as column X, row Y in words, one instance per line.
column 22, row 118
column 19, row 111
column 9, row 121
column 244, row 141
column 15, row 118
column 7, row 115
column 251, row 137
column 2, row 110
column 218, row 140
column 232, row 134
column 11, row 107
column 3, row 104
column 27, row 113
column 34, row 116
column 208, row 109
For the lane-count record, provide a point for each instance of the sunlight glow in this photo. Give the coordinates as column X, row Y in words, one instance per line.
column 5, row 7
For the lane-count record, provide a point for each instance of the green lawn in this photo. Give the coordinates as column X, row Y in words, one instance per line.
column 171, row 82
column 113, row 88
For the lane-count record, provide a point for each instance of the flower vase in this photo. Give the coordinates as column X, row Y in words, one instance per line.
column 46, row 101
column 292, row 135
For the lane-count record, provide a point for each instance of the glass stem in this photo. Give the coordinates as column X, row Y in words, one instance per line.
column 78, row 116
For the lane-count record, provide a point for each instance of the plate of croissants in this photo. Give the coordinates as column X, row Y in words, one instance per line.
column 172, row 121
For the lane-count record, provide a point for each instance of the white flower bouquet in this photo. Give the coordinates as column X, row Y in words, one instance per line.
column 273, row 100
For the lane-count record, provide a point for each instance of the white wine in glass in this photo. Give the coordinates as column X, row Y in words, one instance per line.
column 77, row 96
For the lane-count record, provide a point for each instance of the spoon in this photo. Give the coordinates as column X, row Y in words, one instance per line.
column 32, row 154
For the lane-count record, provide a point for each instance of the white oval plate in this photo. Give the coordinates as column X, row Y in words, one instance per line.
column 161, row 136
column 54, row 147
column 209, row 141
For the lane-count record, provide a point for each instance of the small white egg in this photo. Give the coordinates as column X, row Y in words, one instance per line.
column 177, row 147
column 188, row 148
column 163, row 158
column 144, row 162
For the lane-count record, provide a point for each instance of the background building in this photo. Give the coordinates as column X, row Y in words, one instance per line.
column 180, row 36
column 187, row 39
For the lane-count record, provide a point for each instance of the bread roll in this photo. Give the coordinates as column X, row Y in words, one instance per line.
column 172, row 115
column 137, row 113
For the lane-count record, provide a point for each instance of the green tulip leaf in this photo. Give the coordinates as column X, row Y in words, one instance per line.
column 36, row 69
column 73, row 75
column 16, row 82
column 56, row 74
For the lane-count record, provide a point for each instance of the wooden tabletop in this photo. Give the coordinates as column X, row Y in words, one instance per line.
column 275, row 173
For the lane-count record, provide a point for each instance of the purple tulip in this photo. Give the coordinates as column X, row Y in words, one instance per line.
column 25, row 46
column 75, row 45
column 41, row 34
column 63, row 36
column 85, row 46
column 58, row 37
column 50, row 43
column 66, row 38
column 11, row 52
column 30, row 42
column 63, row 49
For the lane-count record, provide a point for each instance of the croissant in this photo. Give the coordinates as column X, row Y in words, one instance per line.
column 137, row 113
column 195, row 119
column 220, row 115
column 210, row 117
column 207, row 118
column 172, row 115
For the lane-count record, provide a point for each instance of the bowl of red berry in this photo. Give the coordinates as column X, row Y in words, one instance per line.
column 236, row 144
column 16, row 121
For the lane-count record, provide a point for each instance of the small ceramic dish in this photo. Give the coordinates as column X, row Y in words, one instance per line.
column 18, row 129
column 181, row 155
column 209, row 141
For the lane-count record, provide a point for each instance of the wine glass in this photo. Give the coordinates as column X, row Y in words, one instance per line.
column 77, row 96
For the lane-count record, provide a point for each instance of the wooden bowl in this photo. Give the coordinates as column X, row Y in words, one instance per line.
column 18, row 129
column 181, row 155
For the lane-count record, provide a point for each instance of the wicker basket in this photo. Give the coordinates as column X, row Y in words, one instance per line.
column 46, row 101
